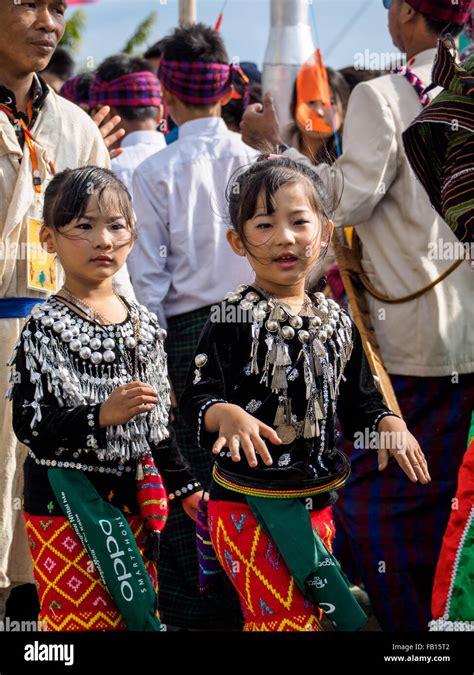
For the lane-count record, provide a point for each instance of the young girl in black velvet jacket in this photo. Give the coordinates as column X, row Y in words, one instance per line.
column 273, row 367
column 91, row 403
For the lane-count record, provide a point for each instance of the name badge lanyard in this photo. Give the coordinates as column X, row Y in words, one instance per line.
column 29, row 142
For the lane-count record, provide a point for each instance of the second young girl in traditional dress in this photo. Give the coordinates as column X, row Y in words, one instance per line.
column 273, row 368
column 91, row 401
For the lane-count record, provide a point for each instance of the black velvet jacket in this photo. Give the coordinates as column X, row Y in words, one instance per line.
column 69, row 436
column 225, row 346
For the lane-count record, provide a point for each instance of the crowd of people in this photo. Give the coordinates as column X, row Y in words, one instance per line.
column 185, row 386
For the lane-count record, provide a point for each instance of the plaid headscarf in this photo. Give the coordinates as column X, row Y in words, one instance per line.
column 443, row 10
column 134, row 90
column 199, row 83
column 76, row 90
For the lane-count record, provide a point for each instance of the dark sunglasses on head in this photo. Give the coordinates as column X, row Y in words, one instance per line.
column 387, row 3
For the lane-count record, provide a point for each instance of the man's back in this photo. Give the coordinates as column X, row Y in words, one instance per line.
column 182, row 256
column 137, row 147
column 399, row 230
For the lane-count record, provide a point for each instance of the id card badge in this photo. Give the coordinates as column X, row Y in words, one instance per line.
column 42, row 267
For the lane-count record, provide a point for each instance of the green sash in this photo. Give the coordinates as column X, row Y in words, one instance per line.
column 317, row 573
column 105, row 534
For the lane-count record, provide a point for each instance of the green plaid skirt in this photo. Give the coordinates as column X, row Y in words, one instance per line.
column 181, row 603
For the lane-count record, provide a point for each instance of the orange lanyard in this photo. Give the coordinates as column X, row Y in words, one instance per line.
column 28, row 140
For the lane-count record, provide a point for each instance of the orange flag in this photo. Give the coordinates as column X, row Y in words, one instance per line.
column 313, row 96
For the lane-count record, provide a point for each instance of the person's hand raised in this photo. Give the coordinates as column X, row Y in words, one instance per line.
column 260, row 126
column 107, row 129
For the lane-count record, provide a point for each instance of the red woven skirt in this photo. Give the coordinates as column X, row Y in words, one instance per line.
column 269, row 597
column 71, row 593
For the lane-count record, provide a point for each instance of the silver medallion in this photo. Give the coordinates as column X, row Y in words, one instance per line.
column 75, row 345
column 303, row 336
column 85, row 353
column 271, row 326
column 251, row 297
column 287, row 433
column 296, row 321
column 109, row 356
column 200, row 360
column 288, row 332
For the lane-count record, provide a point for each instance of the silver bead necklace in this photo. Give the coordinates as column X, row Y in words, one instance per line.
column 93, row 315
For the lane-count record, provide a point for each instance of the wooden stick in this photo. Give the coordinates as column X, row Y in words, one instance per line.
column 349, row 266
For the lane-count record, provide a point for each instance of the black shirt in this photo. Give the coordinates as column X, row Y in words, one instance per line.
column 227, row 376
column 48, row 374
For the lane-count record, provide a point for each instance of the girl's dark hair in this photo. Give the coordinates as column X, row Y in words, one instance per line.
column 262, row 180
column 67, row 196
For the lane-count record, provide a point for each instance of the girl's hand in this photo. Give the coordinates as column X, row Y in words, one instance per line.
column 397, row 441
column 191, row 504
column 126, row 402
column 237, row 429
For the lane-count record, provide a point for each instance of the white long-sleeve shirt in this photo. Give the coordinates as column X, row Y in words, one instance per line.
column 137, row 146
column 432, row 335
column 182, row 261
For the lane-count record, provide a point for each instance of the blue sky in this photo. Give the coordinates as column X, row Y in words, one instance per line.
column 340, row 27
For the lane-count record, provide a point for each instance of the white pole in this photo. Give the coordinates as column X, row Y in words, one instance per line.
column 187, row 13
column 290, row 43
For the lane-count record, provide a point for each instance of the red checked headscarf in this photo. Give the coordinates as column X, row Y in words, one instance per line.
column 75, row 93
column 134, row 90
column 443, row 10
column 199, row 83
